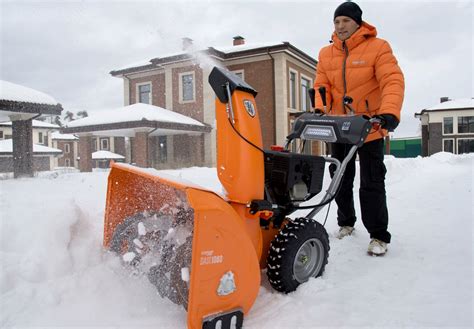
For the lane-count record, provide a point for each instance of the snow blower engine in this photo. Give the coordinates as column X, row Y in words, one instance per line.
column 205, row 251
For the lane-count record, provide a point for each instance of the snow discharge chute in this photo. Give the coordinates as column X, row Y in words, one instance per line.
column 205, row 252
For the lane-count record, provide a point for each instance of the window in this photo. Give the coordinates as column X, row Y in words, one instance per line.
column 187, row 87
column 67, row 148
column 40, row 138
column 305, row 101
column 447, row 125
column 104, row 143
column 144, row 93
column 293, row 90
column 466, row 125
column 465, row 145
column 94, row 144
column 448, row 145
column 67, row 162
column 8, row 136
column 162, row 149
column 1, row 134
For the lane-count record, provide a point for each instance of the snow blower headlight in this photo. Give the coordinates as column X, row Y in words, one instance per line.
column 320, row 133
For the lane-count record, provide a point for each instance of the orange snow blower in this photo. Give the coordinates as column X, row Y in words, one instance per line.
column 205, row 251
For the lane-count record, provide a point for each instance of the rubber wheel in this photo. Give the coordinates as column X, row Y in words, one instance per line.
column 299, row 252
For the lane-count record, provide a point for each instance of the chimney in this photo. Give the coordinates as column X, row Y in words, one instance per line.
column 187, row 43
column 444, row 99
column 238, row 40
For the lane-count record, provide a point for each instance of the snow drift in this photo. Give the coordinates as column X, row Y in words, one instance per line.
column 55, row 272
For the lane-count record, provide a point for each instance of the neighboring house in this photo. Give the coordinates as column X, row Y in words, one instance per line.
column 280, row 72
column 67, row 143
column 20, row 105
column 41, row 131
column 41, row 136
column 448, row 127
column 43, row 156
column 146, row 128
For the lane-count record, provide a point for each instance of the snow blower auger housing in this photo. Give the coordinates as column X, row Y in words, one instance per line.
column 204, row 251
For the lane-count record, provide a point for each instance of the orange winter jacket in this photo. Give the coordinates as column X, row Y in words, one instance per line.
column 365, row 69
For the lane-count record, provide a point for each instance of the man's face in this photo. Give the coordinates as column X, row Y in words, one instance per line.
column 344, row 27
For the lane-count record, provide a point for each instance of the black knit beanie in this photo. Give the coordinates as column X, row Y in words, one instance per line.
column 349, row 9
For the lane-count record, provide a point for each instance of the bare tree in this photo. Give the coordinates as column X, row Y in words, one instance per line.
column 69, row 116
column 82, row 114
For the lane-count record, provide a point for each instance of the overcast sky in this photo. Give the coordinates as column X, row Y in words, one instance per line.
column 67, row 48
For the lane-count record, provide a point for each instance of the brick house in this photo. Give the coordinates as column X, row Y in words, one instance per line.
column 448, row 127
column 69, row 144
column 280, row 72
column 41, row 135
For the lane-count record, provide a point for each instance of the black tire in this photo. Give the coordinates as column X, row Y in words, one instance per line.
column 299, row 251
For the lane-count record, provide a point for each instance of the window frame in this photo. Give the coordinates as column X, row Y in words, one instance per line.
column 181, row 87
column 1, row 134
column 307, row 99
column 67, row 148
column 454, row 144
column 138, row 93
column 460, row 139
column 296, row 94
column 101, row 145
column 458, row 121
column 40, row 137
column 443, row 125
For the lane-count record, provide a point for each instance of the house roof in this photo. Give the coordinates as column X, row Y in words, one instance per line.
column 58, row 136
column 223, row 53
column 16, row 99
column 6, row 148
column 451, row 105
column 106, row 155
column 35, row 123
column 125, row 121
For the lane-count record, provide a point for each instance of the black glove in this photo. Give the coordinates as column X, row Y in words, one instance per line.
column 388, row 121
column 319, row 111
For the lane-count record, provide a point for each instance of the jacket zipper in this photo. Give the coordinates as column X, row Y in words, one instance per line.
column 346, row 54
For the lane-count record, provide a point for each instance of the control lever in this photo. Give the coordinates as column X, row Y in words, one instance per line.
column 312, row 97
column 376, row 123
column 347, row 104
column 322, row 93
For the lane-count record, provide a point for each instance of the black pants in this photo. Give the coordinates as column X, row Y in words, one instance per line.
column 373, row 202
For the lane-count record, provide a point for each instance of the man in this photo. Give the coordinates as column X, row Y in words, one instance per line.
column 361, row 77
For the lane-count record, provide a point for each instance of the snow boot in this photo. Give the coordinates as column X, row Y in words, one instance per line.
column 344, row 231
column 377, row 247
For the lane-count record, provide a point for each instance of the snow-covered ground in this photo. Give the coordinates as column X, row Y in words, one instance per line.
column 55, row 273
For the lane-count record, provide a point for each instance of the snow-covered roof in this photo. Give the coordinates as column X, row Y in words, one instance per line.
column 57, row 135
column 247, row 46
column 198, row 52
column 131, row 113
column 6, row 146
column 36, row 124
column 13, row 92
column 461, row 103
column 99, row 155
